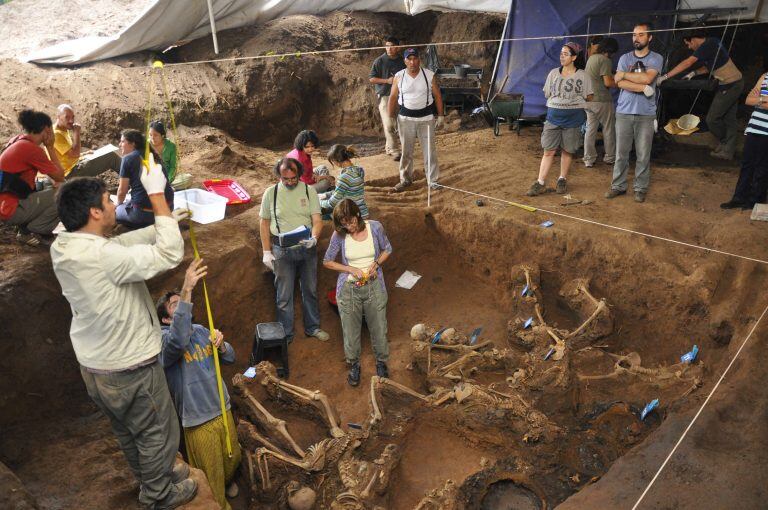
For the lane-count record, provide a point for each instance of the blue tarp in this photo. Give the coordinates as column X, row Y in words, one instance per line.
column 528, row 62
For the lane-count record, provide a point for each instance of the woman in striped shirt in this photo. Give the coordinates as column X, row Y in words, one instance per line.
column 350, row 182
column 753, row 178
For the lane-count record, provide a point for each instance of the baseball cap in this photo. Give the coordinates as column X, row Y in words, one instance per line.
column 411, row 52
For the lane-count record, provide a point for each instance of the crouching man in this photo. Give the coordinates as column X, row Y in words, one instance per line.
column 115, row 333
column 187, row 356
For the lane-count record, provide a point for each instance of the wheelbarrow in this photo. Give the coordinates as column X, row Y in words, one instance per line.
column 506, row 109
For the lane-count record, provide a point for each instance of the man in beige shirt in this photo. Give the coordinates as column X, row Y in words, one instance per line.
column 115, row 331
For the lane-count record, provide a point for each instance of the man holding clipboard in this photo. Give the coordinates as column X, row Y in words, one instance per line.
column 290, row 226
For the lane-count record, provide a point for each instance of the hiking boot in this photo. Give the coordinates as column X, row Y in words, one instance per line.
column 640, row 196
column 232, row 490
column 35, row 240
column 722, row 155
column 562, row 186
column 180, row 472
column 381, row 369
column 353, row 378
column 401, row 186
column 589, row 165
column 181, row 493
column 396, row 156
column 536, row 189
column 320, row 335
column 613, row 193
column 732, row 204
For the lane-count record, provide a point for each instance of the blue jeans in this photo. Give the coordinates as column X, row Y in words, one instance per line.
column 637, row 129
column 288, row 263
column 133, row 216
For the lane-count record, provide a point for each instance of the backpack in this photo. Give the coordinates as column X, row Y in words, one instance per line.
column 13, row 183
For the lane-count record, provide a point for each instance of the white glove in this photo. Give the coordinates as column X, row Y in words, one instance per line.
column 440, row 122
column 154, row 181
column 689, row 75
column 268, row 260
column 181, row 214
column 308, row 243
column 648, row 91
column 661, row 79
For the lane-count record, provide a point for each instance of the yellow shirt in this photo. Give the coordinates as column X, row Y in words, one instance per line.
column 63, row 144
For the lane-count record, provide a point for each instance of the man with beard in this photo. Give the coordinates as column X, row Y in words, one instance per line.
column 290, row 227
column 635, row 112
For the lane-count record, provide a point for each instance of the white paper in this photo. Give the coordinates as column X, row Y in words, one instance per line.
column 101, row 151
column 250, row 373
column 407, row 280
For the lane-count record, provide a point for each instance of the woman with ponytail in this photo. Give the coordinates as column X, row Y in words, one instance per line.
column 350, row 182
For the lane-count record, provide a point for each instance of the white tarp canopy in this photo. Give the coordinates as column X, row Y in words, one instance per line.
column 164, row 22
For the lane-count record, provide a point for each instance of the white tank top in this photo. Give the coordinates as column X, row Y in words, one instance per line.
column 415, row 93
column 360, row 254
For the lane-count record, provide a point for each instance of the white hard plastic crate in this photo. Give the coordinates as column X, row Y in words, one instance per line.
column 206, row 207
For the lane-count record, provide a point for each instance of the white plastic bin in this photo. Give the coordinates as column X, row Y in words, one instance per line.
column 206, row 207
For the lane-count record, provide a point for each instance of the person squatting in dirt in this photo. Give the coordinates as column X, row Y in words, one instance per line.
column 286, row 206
column 33, row 211
column 115, row 333
column 636, row 112
column 567, row 89
column 360, row 288
column 711, row 57
column 137, row 212
column 76, row 162
column 382, row 75
column 752, row 185
column 351, row 181
column 305, row 144
column 416, row 102
column 187, row 357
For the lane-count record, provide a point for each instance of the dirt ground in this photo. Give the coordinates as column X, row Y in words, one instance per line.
column 237, row 119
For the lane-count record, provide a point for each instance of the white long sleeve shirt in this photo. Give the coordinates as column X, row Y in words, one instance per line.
column 114, row 322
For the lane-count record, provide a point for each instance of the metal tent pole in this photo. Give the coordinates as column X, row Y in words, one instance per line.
column 213, row 27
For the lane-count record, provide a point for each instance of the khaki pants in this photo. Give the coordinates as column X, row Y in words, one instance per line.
column 92, row 167
column 354, row 302
column 721, row 117
column 600, row 114
column 424, row 130
column 139, row 407
column 37, row 213
column 390, row 125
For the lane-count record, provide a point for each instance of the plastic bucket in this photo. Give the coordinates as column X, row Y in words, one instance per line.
column 688, row 121
column 461, row 70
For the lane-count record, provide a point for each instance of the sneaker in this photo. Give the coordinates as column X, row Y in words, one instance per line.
column 640, row 196
column 562, row 186
column 536, row 189
column 381, row 369
column 180, row 472
column 34, row 240
column 320, row 335
column 613, row 193
column 401, row 186
column 732, row 204
column 353, row 378
column 180, row 494
column 722, row 155
column 589, row 165
column 232, row 490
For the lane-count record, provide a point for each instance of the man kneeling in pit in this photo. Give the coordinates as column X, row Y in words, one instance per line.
column 187, row 357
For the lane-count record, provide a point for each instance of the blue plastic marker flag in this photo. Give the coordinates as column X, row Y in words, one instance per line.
column 356, row 426
column 250, row 373
column 547, row 223
column 653, row 404
column 525, row 291
column 475, row 335
column 690, row 356
column 550, row 353
column 436, row 338
column 527, row 324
